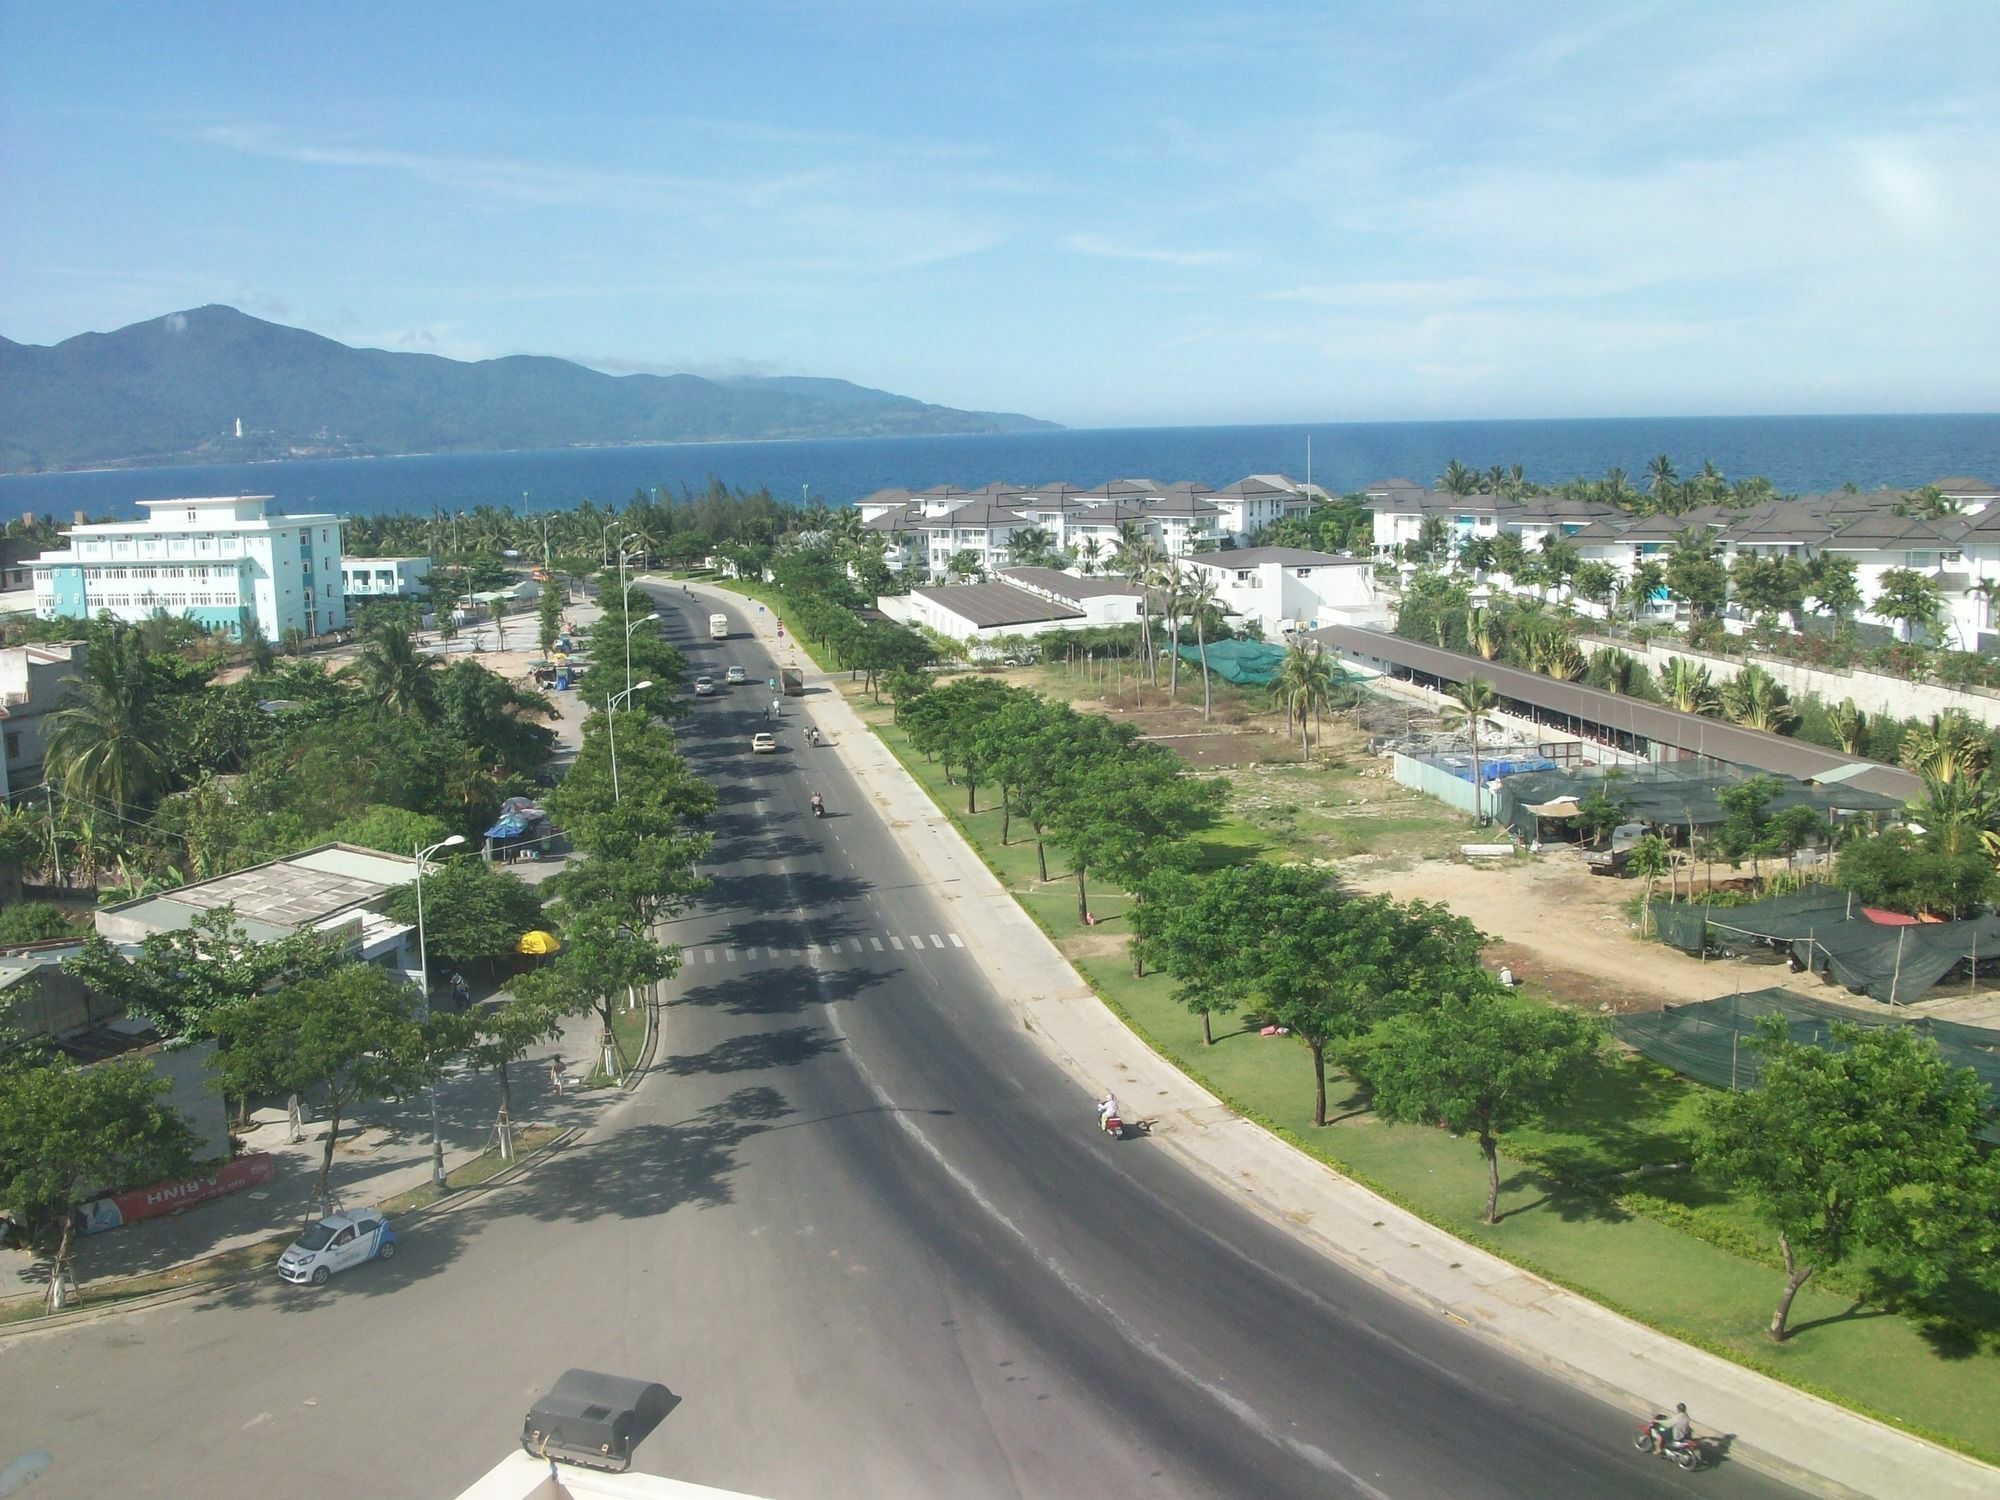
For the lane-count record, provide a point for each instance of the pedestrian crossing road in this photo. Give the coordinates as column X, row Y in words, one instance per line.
column 891, row 942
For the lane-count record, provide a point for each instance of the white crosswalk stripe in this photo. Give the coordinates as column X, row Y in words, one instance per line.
column 954, row 940
column 877, row 942
column 895, row 942
column 855, row 944
column 936, row 941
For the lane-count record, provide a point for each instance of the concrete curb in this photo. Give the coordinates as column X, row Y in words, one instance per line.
column 1962, row 1474
column 459, row 1198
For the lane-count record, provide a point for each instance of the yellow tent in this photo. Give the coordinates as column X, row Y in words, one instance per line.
column 538, row 943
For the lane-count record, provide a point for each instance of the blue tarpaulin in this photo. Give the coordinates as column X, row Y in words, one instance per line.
column 508, row 828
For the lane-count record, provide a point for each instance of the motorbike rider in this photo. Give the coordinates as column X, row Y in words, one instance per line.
column 1107, row 1109
column 818, row 807
column 1678, row 1432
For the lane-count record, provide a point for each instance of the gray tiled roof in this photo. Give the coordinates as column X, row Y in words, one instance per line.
column 1652, row 721
column 989, row 604
column 1071, row 586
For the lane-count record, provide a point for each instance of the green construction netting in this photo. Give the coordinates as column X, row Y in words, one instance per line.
column 1825, row 932
column 1709, row 1041
column 1254, row 662
column 1673, row 794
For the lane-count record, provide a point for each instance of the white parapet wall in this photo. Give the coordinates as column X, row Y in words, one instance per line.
column 1874, row 693
column 520, row 1476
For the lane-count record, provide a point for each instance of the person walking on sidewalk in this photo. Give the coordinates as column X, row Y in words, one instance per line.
column 556, row 1074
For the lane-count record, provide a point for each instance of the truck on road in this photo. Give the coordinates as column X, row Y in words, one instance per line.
column 792, row 682
column 718, row 627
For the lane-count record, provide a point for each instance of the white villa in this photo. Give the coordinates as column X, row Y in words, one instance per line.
column 1960, row 553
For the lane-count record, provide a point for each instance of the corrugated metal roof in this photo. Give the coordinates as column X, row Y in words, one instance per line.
column 1651, row 721
column 989, row 604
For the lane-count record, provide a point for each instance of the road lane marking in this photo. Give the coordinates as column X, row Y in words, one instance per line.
column 856, row 943
column 954, row 940
column 916, row 940
column 1134, row 1336
column 896, row 942
column 936, row 941
column 811, row 946
column 877, row 942
column 730, row 954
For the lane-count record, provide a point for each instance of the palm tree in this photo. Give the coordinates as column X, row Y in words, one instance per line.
column 1200, row 600
column 1305, row 685
column 394, row 675
column 1088, row 554
column 1030, row 546
column 1475, row 554
column 1475, row 702
column 1662, row 480
column 1482, row 632
column 101, row 746
column 1926, row 504
column 1687, row 686
column 1458, row 480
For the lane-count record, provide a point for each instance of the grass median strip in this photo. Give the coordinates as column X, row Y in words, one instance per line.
column 1665, row 1248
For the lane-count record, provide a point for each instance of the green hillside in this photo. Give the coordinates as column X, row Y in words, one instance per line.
column 172, row 389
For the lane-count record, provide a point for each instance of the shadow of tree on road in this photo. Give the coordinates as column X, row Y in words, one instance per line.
column 755, row 1051
column 648, row 1170
column 781, row 991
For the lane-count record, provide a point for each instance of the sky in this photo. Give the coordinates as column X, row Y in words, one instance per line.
column 1105, row 215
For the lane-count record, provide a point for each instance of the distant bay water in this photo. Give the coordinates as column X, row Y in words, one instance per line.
column 1798, row 455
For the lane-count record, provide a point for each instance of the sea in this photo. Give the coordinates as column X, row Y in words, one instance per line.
column 1797, row 454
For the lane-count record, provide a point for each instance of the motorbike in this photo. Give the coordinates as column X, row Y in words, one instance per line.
column 1653, row 1435
column 819, row 808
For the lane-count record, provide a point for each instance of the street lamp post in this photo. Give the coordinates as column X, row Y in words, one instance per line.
column 634, row 625
column 611, row 702
column 424, row 964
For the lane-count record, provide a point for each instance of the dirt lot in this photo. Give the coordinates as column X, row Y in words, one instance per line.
column 1558, row 927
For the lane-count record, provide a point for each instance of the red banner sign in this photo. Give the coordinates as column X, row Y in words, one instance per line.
column 259, row 1169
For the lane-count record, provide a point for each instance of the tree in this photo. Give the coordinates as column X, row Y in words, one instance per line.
column 1696, row 575
column 100, row 744
column 1912, row 600
column 1477, row 1064
column 1662, row 481
column 1127, row 815
column 35, row 922
column 1842, row 1149
column 1306, row 684
column 1830, row 582
column 501, row 1036
column 393, row 830
column 1201, row 592
column 1457, row 479
column 1650, row 858
column 474, row 915
column 183, row 981
column 1331, row 967
column 549, row 615
column 338, row 1040
column 965, row 566
column 1928, row 503
column 67, row 1133
column 1475, row 702
column 1950, row 747
column 1032, row 547
column 604, row 960
column 394, row 676
column 1897, row 871
column 1205, row 936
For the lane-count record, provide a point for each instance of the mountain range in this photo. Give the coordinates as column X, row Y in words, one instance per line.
column 174, row 389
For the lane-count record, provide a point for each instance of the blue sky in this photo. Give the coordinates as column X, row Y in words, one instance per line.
column 1106, row 215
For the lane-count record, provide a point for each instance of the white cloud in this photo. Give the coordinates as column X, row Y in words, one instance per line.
column 1098, row 245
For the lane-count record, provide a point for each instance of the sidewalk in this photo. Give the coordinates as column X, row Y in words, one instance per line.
column 384, row 1150
column 1773, row 1425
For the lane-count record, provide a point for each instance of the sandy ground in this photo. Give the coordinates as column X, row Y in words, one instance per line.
column 1561, row 928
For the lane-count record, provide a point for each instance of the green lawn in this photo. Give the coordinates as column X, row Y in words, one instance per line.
column 1565, row 1216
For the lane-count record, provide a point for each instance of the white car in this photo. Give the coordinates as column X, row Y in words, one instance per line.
column 735, row 677
column 704, row 686
column 335, row 1243
column 763, row 744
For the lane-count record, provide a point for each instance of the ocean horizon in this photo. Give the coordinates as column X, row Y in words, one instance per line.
column 1797, row 454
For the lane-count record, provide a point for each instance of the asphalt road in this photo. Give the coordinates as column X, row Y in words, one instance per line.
column 864, row 1230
